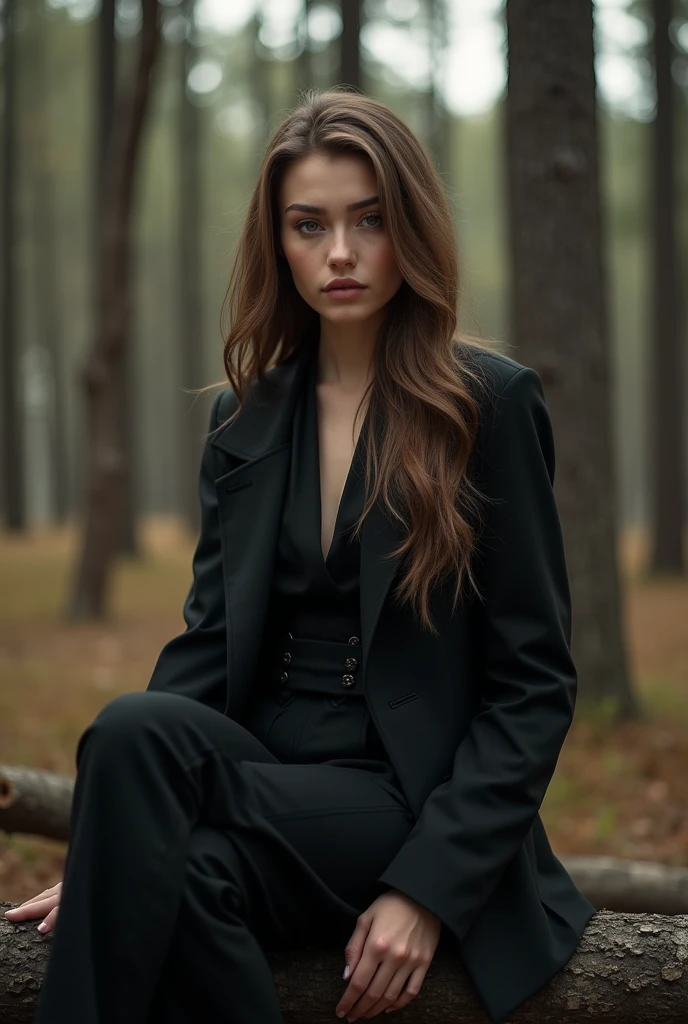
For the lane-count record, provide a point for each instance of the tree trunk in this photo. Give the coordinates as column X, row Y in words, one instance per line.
column 105, row 456
column 11, row 403
column 106, row 88
column 350, row 45
column 558, row 311
column 628, row 969
column 193, row 419
column 305, row 63
column 46, row 263
column 665, row 364
column 439, row 121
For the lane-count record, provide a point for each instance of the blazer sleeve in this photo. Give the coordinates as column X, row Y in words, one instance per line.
column 194, row 663
column 472, row 826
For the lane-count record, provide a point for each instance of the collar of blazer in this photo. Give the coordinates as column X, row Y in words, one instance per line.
column 250, row 500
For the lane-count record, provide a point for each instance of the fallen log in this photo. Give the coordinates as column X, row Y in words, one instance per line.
column 35, row 801
column 630, row 886
column 628, row 969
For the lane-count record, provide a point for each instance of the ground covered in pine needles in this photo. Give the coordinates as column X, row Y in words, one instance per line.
column 618, row 789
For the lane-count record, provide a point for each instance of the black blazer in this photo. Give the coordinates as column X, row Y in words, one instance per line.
column 473, row 719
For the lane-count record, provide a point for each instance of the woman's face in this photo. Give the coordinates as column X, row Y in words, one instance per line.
column 328, row 241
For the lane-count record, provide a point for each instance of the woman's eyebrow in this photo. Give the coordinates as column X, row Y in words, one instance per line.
column 359, row 205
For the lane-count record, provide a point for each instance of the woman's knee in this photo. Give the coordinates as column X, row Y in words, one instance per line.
column 131, row 714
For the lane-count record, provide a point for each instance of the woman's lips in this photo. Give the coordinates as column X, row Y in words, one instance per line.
column 344, row 293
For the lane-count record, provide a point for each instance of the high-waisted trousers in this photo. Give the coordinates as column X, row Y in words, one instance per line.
column 193, row 850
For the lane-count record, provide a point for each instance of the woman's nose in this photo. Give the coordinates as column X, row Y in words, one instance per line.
column 341, row 248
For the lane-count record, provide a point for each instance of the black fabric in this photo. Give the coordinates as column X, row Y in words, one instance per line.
column 473, row 716
column 192, row 851
column 314, row 598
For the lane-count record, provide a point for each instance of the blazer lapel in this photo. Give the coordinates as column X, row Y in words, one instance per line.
column 250, row 502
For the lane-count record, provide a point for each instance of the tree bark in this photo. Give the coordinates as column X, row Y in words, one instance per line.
column 558, row 311
column 628, row 969
column 665, row 364
column 105, row 456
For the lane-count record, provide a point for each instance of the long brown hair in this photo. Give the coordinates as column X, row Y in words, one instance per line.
column 422, row 415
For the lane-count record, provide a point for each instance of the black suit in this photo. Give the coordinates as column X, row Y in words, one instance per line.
column 476, row 747
column 472, row 720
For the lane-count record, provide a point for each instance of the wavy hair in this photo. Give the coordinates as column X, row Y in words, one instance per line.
column 423, row 416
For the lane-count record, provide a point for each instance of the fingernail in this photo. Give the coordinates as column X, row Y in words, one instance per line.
column 345, row 975
column 12, row 911
column 42, row 927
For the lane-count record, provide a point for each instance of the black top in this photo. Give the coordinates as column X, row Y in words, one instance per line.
column 313, row 597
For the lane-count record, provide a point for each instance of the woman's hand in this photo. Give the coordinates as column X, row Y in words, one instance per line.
column 393, row 943
column 43, row 905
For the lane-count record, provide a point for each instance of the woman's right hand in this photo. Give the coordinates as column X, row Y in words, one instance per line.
column 44, row 905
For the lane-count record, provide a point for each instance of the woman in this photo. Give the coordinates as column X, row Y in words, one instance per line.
column 353, row 736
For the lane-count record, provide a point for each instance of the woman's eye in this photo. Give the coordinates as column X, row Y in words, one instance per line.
column 303, row 223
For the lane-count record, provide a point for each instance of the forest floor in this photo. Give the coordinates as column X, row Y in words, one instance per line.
column 618, row 789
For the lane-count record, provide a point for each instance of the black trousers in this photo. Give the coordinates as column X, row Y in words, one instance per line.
column 193, row 850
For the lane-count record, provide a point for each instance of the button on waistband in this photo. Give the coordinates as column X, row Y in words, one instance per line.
column 316, row 665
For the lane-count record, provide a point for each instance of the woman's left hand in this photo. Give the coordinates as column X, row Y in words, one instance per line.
column 393, row 942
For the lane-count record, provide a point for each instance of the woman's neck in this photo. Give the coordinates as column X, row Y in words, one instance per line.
column 345, row 359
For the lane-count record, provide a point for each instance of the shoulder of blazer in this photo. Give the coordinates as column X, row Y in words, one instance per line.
column 510, row 397
column 493, row 368
column 226, row 402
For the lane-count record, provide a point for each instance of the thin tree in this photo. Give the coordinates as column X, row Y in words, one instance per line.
column 45, row 259
column 438, row 122
column 667, row 470
column 559, row 310
column 305, row 64
column 105, row 454
column 193, row 419
column 350, row 44
column 261, row 87
column 11, row 405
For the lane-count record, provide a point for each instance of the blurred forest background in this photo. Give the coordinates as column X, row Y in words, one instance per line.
column 224, row 73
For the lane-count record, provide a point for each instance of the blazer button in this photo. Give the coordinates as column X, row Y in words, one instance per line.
column 286, row 657
column 348, row 680
column 284, row 677
column 353, row 640
column 351, row 664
